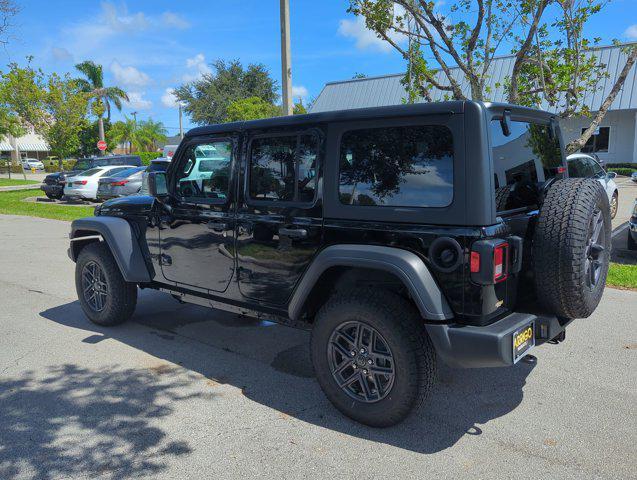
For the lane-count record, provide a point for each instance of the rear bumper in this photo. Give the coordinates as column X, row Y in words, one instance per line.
column 464, row 346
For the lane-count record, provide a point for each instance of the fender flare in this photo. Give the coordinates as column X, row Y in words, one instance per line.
column 407, row 266
column 119, row 236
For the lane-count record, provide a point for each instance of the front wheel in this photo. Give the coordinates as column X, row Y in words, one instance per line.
column 106, row 298
column 614, row 202
column 372, row 356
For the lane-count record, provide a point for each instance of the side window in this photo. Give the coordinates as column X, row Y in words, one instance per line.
column 598, row 142
column 204, row 172
column 410, row 166
column 283, row 168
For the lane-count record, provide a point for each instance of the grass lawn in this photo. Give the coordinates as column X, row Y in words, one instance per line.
column 622, row 276
column 6, row 182
column 11, row 204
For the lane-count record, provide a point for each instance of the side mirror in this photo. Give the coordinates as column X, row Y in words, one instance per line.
column 611, row 175
column 157, row 185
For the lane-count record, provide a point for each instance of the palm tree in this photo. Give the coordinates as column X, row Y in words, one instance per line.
column 149, row 133
column 101, row 96
column 123, row 132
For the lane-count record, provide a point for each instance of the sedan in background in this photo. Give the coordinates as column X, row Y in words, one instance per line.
column 633, row 177
column 32, row 163
column 84, row 184
column 120, row 184
column 581, row 165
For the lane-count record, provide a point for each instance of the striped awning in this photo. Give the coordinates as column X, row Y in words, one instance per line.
column 28, row 143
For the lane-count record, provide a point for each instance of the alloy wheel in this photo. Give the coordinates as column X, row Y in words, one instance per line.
column 94, row 286
column 361, row 362
column 595, row 249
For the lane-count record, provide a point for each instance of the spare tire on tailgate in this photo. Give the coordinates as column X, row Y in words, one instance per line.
column 571, row 247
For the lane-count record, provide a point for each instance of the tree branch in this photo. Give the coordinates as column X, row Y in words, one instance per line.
column 521, row 55
column 576, row 145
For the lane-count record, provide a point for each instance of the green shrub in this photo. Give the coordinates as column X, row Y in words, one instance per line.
column 621, row 165
column 147, row 156
column 627, row 172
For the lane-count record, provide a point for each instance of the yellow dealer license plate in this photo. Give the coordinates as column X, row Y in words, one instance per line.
column 523, row 341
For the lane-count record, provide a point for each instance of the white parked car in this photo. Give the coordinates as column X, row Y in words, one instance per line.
column 84, row 184
column 581, row 165
column 29, row 163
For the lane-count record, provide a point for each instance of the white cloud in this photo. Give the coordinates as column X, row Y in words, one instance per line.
column 175, row 20
column 168, row 99
column 631, row 32
column 121, row 20
column 366, row 38
column 61, row 54
column 197, row 67
column 136, row 101
column 129, row 76
column 299, row 91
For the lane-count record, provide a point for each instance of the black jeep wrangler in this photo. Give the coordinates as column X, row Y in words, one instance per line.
column 401, row 235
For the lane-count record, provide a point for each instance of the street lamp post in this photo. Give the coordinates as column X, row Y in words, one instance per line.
column 286, row 58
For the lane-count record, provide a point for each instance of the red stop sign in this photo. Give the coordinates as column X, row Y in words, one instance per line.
column 101, row 145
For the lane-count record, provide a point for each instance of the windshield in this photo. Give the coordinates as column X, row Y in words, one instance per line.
column 90, row 173
column 128, row 172
column 522, row 162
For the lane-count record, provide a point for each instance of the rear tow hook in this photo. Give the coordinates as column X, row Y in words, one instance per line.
column 559, row 338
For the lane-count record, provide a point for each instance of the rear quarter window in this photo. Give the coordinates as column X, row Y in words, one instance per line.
column 405, row 166
column 522, row 162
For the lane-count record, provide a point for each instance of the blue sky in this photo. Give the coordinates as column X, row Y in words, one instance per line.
column 149, row 47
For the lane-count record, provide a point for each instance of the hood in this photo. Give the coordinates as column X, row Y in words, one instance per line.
column 126, row 206
column 68, row 174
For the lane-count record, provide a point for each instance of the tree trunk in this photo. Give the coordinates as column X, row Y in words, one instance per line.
column 577, row 145
column 100, row 124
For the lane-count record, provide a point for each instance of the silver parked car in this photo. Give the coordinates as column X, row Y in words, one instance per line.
column 124, row 183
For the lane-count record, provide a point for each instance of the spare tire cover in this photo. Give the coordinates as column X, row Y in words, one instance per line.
column 571, row 247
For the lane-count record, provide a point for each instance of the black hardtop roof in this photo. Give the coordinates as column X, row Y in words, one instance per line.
column 433, row 108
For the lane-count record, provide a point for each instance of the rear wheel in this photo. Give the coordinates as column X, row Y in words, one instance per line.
column 631, row 244
column 106, row 298
column 53, row 196
column 571, row 247
column 372, row 356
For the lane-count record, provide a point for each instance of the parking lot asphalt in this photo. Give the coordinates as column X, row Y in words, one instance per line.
column 187, row 392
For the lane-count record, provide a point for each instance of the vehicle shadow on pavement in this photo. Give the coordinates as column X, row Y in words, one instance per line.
column 71, row 420
column 271, row 365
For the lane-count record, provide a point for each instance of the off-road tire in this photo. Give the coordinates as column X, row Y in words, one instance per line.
column 561, row 247
column 53, row 196
column 402, row 328
column 631, row 244
column 122, row 298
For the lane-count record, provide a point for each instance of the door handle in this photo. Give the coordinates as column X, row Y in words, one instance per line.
column 217, row 226
column 293, row 232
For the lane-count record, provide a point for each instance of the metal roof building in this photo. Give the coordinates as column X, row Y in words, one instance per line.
column 615, row 140
column 387, row 89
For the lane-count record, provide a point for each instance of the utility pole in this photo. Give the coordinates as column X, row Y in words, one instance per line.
column 181, row 125
column 286, row 58
column 134, row 114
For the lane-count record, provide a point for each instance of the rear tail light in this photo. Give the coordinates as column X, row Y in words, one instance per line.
column 475, row 262
column 500, row 262
column 80, row 182
column 119, row 184
column 489, row 261
column 561, row 169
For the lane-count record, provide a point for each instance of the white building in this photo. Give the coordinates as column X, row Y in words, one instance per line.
column 615, row 141
column 30, row 145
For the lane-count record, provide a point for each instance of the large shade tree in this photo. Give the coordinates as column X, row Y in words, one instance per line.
column 101, row 97
column 206, row 100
